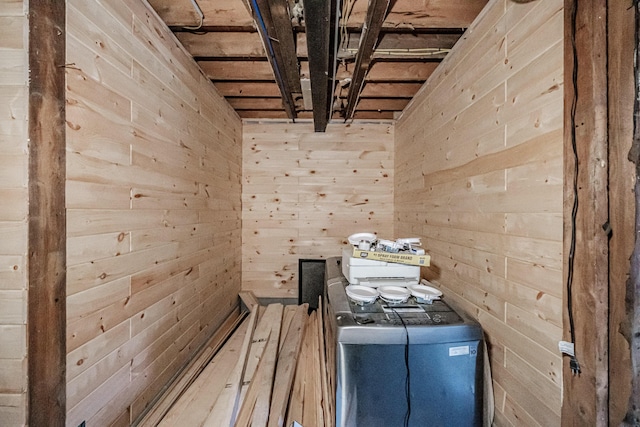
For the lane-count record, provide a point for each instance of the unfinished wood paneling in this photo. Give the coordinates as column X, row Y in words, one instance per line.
column 14, row 174
column 153, row 203
column 479, row 177
column 305, row 192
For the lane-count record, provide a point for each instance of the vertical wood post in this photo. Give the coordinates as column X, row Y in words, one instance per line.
column 586, row 395
column 47, row 220
column 622, row 174
column 632, row 417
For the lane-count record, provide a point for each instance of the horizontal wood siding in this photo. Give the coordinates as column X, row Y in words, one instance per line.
column 304, row 193
column 13, row 211
column 479, row 177
column 153, row 207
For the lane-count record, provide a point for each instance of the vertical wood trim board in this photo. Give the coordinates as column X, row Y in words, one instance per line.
column 14, row 172
column 304, row 193
column 622, row 175
column 587, row 395
column 153, row 198
column 47, row 220
column 479, row 177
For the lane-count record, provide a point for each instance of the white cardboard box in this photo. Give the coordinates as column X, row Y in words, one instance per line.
column 360, row 271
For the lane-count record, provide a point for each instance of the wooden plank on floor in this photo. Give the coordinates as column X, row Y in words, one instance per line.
column 263, row 400
column 311, row 397
column 329, row 337
column 289, row 379
column 287, row 360
column 317, row 374
column 258, row 344
column 225, row 407
column 181, row 383
column 294, row 410
column 245, row 412
column 193, row 408
column 248, row 299
column 326, row 401
column 287, row 316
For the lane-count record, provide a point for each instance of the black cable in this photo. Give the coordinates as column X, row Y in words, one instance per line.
column 407, row 389
column 574, row 365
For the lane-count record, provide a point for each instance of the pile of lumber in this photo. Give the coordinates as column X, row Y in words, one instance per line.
column 271, row 371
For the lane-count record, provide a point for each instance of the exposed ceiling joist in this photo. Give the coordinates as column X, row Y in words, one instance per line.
column 241, row 70
column 376, row 14
column 415, row 36
column 321, row 27
column 417, row 14
column 285, row 40
column 276, row 31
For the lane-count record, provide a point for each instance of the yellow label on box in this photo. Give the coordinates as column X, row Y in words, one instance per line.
column 400, row 258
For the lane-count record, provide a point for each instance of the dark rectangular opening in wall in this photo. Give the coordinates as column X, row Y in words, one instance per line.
column 310, row 281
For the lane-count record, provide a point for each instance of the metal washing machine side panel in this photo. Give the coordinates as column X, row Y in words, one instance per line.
column 370, row 378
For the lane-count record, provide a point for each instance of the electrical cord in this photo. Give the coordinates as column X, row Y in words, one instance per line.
column 421, row 52
column 347, row 8
column 573, row 363
column 407, row 390
column 198, row 10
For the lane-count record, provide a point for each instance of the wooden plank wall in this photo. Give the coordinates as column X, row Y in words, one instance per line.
column 304, row 193
column 479, row 176
column 153, row 208
column 13, row 211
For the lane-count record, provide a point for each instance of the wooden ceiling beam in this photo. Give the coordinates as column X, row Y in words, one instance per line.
column 276, row 31
column 263, row 114
column 245, row 103
column 237, row 70
column 396, row 71
column 222, row 45
column 283, row 40
column 371, row 30
column 181, row 13
column 274, row 114
column 390, row 90
column 176, row 12
column 383, row 104
column 216, row 29
column 373, row 115
column 248, row 89
column 446, row 31
column 413, row 14
column 321, row 25
column 408, row 41
column 392, row 41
